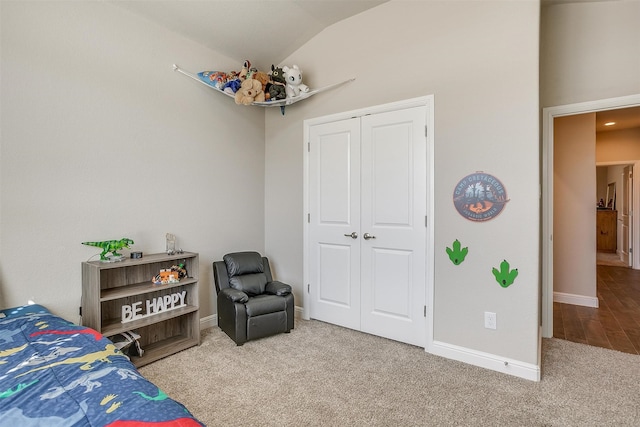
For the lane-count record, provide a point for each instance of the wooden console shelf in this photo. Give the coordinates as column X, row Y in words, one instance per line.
column 106, row 287
column 606, row 230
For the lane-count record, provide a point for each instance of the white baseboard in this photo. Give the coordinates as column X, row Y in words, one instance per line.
column 208, row 321
column 486, row 360
column 576, row 299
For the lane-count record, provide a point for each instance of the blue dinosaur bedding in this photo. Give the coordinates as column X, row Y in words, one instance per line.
column 55, row 373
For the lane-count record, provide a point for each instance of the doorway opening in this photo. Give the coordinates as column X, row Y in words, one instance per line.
column 614, row 223
column 549, row 115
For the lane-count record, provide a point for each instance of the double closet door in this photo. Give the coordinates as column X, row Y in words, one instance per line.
column 367, row 223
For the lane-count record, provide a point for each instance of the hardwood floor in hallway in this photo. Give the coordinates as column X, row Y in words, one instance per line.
column 615, row 324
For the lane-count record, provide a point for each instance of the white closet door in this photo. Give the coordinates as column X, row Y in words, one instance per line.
column 393, row 209
column 367, row 179
column 334, row 205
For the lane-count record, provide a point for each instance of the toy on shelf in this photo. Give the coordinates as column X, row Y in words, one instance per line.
column 293, row 77
column 171, row 243
column 262, row 77
column 276, row 86
column 170, row 275
column 274, row 90
column 218, row 79
column 111, row 246
column 250, row 91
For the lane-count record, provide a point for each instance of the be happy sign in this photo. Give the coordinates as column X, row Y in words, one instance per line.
column 152, row 306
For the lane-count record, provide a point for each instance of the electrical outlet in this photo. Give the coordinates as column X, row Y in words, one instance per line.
column 490, row 321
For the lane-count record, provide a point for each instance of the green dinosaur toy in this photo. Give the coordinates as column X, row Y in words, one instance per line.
column 110, row 246
column 505, row 277
column 457, row 254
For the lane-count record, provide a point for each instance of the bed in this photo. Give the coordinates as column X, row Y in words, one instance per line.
column 55, row 373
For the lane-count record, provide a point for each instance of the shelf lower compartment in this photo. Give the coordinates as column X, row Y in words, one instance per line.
column 164, row 348
column 114, row 327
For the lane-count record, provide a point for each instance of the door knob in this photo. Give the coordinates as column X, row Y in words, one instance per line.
column 368, row 236
column 353, row 235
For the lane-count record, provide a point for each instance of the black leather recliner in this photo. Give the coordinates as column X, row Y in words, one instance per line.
column 251, row 304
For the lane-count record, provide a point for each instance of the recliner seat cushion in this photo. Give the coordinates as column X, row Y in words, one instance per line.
column 251, row 284
column 265, row 304
column 267, row 324
column 241, row 263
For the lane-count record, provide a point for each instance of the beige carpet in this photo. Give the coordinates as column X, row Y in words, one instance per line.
column 323, row 375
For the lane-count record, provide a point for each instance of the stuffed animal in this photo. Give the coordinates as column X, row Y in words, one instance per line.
column 232, row 86
column 233, row 83
column 262, row 77
column 250, row 91
column 293, row 77
column 216, row 79
column 276, row 87
column 245, row 70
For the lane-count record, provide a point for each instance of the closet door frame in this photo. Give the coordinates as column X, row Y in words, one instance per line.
column 428, row 102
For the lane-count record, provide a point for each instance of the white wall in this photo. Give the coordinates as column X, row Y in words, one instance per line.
column 101, row 139
column 618, row 145
column 589, row 51
column 574, row 201
column 480, row 61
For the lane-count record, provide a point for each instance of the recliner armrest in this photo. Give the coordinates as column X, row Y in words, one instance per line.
column 233, row 295
column 277, row 288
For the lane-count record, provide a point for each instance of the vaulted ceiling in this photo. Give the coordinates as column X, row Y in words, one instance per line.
column 265, row 32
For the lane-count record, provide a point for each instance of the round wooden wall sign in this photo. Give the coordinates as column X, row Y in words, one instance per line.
column 479, row 197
